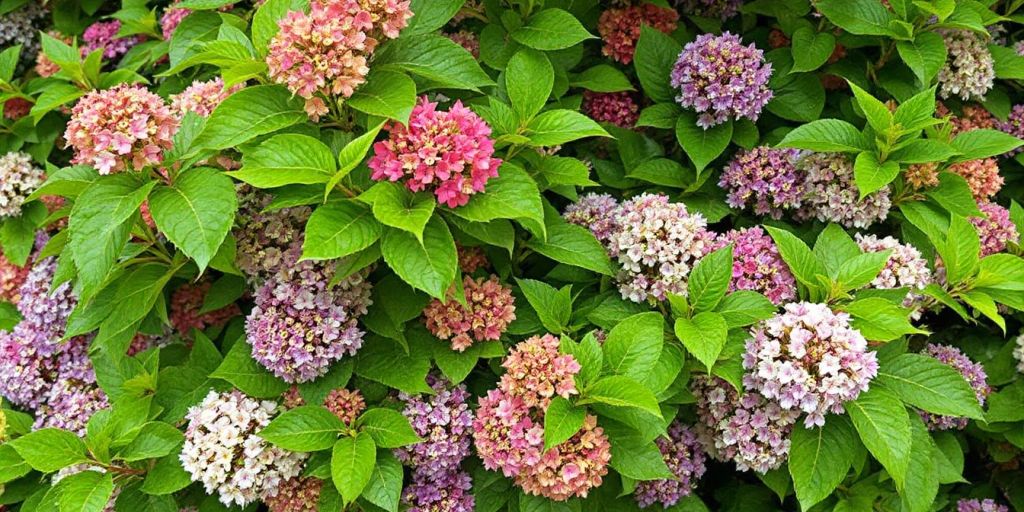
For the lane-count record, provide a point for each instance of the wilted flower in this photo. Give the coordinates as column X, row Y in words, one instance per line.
column 346, row 405
column 976, row 505
column 187, row 301
column 684, row 457
column 905, row 268
column 922, row 176
column 296, row 494
column 19, row 178
column 103, row 35
column 17, row 108
column 968, row 72
column 722, row 79
column 981, row 175
column 831, row 194
column 490, row 308
column 444, row 421
column 995, row 229
column 757, row 264
column 617, row 108
column 620, row 28
column 267, row 241
column 446, row 152
column 595, row 212
column 973, row 373
column 766, row 179
column 202, row 97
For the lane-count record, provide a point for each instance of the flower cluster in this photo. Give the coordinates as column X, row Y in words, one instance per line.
column 982, row 176
column 267, row 240
column 17, row 108
column 976, row 505
column 656, row 244
column 905, row 268
column 595, row 212
column 968, row 72
column 44, row 66
column 126, row 127
column 508, row 431
column 467, row 40
column 757, row 264
column 972, row 117
column 490, row 307
column 620, row 28
column 450, row 492
column 69, row 405
column 1018, row 353
column 745, row 428
column 471, row 259
column 346, row 405
column 202, row 97
column 296, row 494
column 446, row 152
column 809, row 359
column 19, row 178
column 1014, row 125
column 11, row 278
column 617, row 108
column 444, row 422
column 973, row 373
column 684, row 457
column 186, row 303
column 922, row 176
column 831, row 194
column 223, row 451
column 765, row 178
column 103, row 35
column 722, row 79
column 721, row 9
column 171, row 18
column 20, row 27
column 995, row 229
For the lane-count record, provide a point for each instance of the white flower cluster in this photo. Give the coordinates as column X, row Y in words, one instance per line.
column 905, row 268
column 18, row 179
column 969, row 71
column 1018, row 353
column 223, row 451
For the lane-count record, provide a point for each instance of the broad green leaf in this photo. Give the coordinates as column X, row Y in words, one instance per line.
column 264, row 21
column 925, row 55
column 553, row 307
column 709, row 280
column 880, row 320
column 529, row 78
column 85, row 491
column 704, row 336
column 430, row 266
column 621, row 391
column 385, row 486
column 397, row 207
column 559, row 126
column 878, row 115
column 339, row 228
column 820, row 458
column 50, row 449
column 810, row 49
column 561, row 421
column 166, row 477
column 826, row 135
column 352, row 155
column 802, row 262
column 984, row 143
column 954, row 194
column 352, row 463
column 922, row 485
column 744, row 307
column 573, row 245
column 248, row 113
column 656, row 53
column 431, row 15
column 601, row 78
column 287, row 159
column 633, row 346
column 196, row 212
column 387, row 94
column 861, row 269
column 512, row 195
column 389, row 428
column 633, row 455
column 861, row 17
column 155, row 439
column 551, row 29
column 931, row 385
column 307, row 428
column 435, row 58
column 884, row 427
column 700, row 144
column 240, row 369
column 378, row 359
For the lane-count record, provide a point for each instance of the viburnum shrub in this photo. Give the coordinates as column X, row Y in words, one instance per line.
column 511, row 255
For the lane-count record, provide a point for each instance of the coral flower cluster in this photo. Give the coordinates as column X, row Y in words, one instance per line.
column 202, row 97
column 11, row 278
column 757, row 265
column 617, row 108
column 972, row 372
column 345, row 404
column 764, row 178
column 684, row 457
column 620, row 28
column 449, row 153
column 19, row 178
column 982, row 177
column 508, row 431
column 490, row 307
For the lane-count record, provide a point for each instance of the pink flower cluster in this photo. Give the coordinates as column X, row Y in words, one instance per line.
column 746, row 428
column 905, row 268
column 684, row 457
column 346, row 405
column 764, row 178
column 831, row 194
column 103, row 34
column 757, row 264
column 17, row 108
column 296, row 494
column 995, row 229
column 202, row 97
column 973, row 373
column 171, row 18
column 972, row 117
column 491, row 307
column 982, row 176
column 620, row 28
column 809, row 359
column 11, row 279
column 449, row 153
column 449, row 492
column 595, row 212
column 617, row 108
column 187, row 301
column 471, row 259
column 126, row 127
column 509, row 428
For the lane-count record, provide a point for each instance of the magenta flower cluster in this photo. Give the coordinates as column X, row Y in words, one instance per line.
column 973, row 373
column 764, row 178
column 684, row 457
column 757, row 264
column 995, row 229
column 103, row 34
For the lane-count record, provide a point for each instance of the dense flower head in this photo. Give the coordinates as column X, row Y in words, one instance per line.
column 968, row 72
column 467, row 40
column 299, row 324
column 922, row 176
column 620, row 28
column 722, row 9
column 905, row 268
column 974, row 374
column 595, row 212
column 571, row 468
column 976, row 505
column 21, row 26
column 764, row 178
column 757, row 264
column 69, row 405
column 17, row 108
column 103, row 35
column 490, row 307
column 345, row 404
column 618, row 108
column 11, row 278
column 809, row 359
column 505, row 433
column 982, row 177
column 684, row 457
column 446, row 152
column 187, row 301
column 1014, row 125
column 656, row 244
column 722, row 79
column 125, row 127
column 745, row 428
column 444, row 421
column 296, row 494
column 171, row 18
column 202, row 97
column 223, row 451
column 831, row 194
column 971, row 117
column 389, row 17
column 995, row 229
column 450, row 491
column 536, row 372
column 19, row 178
column 267, row 240
column 471, row 258
column 1018, row 352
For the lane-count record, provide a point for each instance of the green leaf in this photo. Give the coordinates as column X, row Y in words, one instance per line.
column 655, row 55
column 339, row 228
column 810, row 49
column 703, row 336
column 573, row 245
column 240, row 369
column 555, row 127
column 436, row 58
column 352, row 155
column 924, row 150
column 633, row 455
column 12, row 466
column 820, row 458
column 286, row 159
column 155, row 439
column 959, row 250
column 954, row 194
column 386, row 94
column 922, row 485
column 878, row 115
column 431, row 15
column 166, row 477
column 884, row 427
column 702, row 145
column 984, row 143
column 861, row 17
column 826, row 135
column 307, row 428
column 621, row 391
column 929, row 384
column 512, row 195
column 918, row 111
column 551, row 29
column 561, row 421
column 385, row 486
column 802, row 262
column 633, row 346
column 264, row 22
column 85, row 491
column 50, row 449
column 352, row 463
column 553, row 307
column 196, row 212
column 860, row 270
column 925, row 55
column 249, row 113
column 395, row 206
column 744, row 307
column 378, row 359
column 430, row 266
column 880, row 320
column 529, row 78
column 601, row 78
column 389, row 428
column 709, row 280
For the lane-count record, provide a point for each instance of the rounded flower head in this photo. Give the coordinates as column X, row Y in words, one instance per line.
column 757, row 264
column 505, row 434
column 981, row 175
column 571, row 468
column 617, row 108
column 21, row 26
column 747, row 428
column 1014, row 125
column 491, row 307
column 18, row 179
column 451, row 491
column 17, row 108
column 267, row 241
column 11, row 279
column 722, row 9
column 296, row 494
column 976, row 505
column 968, row 72
column 202, row 97
column 922, row 176
column 126, row 127
column 448, row 153
column 684, row 457
column 973, row 373
column 187, row 301
column 389, row 17
column 103, row 34
column 171, row 19
column 467, row 40
column 656, row 245
column 831, row 195
column 69, row 405
column 620, row 28
column 346, row 405
column 905, row 268
column 995, row 229
column 1018, row 352
column 471, row 258
column 764, row 178
column 299, row 325
column 722, row 79
column 223, row 451
column 536, row 372
column 444, row 422
column 809, row 359
column 972, row 117
column 595, row 212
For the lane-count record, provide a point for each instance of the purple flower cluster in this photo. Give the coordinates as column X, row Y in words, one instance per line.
column 684, row 457
column 765, row 178
column 995, row 229
column 809, row 359
column 595, row 212
column 451, row 492
column 976, row 505
column 103, row 34
column 973, row 373
column 1014, row 125
column 757, row 264
column 722, row 79
column 746, row 428
column 831, row 195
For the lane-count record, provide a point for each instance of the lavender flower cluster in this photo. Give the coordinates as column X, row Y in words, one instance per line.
column 972, row 372
column 905, row 268
column 684, row 457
